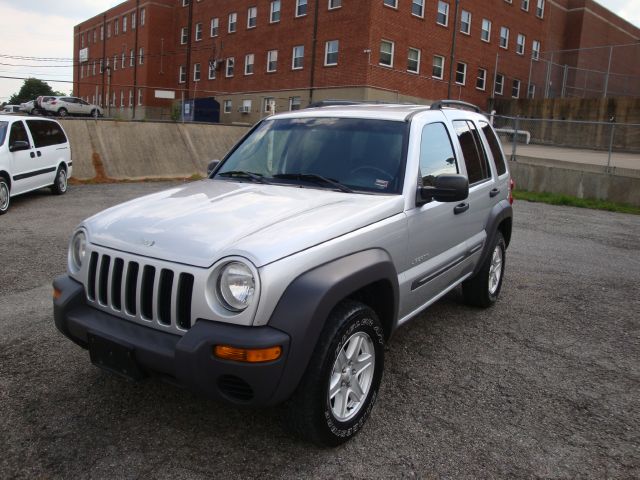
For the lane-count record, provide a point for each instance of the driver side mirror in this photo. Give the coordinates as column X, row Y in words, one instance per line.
column 19, row 145
column 212, row 166
column 446, row 188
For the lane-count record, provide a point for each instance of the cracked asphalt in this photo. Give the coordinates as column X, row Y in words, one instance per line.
column 544, row 384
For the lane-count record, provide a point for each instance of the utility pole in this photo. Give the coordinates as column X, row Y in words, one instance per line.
column 453, row 47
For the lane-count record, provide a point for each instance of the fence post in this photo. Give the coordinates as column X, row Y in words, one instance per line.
column 613, row 129
column 515, row 139
column 547, row 86
column 606, row 79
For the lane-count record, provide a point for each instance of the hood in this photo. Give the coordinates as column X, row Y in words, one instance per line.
column 201, row 222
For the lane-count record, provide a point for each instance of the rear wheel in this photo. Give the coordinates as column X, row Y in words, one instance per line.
column 62, row 112
column 5, row 198
column 483, row 289
column 60, row 183
column 93, row 113
column 340, row 387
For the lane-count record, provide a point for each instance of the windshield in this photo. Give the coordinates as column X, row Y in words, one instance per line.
column 358, row 154
column 3, row 132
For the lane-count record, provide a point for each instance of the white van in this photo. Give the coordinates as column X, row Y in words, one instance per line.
column 34, row 153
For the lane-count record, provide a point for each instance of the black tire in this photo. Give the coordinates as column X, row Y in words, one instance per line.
column 93, row 113
column 60, row 183
column 5, row 196
column 309, row 412
column 62, row 112
column 481, row 291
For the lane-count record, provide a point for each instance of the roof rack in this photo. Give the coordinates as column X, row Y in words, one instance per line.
column 455, row 103
column 333, row 103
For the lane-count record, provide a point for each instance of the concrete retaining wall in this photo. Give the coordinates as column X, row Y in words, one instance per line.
column 134, row 150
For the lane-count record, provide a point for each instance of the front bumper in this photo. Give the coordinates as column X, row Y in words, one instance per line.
column 186, row 360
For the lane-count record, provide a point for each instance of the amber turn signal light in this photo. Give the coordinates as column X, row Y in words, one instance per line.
column 57, row 294
column 248, row 355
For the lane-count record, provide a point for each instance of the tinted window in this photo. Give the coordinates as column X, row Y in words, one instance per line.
column 46, row 133
column 436, row 153
column 473, row 151
column 494, row 146
column 18, row 132
column 3, row 132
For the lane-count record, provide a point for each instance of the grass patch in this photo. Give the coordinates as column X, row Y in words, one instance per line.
column 557, row 199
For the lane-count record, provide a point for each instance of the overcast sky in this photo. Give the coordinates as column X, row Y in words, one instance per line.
column 44, row 28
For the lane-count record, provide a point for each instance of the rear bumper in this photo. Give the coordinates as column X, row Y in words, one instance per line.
column 186, row 360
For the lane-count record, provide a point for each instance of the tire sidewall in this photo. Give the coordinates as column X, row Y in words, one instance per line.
column 501, row 244
column 56, row 185
column 3, row 183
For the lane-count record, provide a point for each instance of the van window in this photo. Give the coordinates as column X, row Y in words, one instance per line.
column 436, row 153
column 18, row 132
column 494, row 146
column 474, row 156
column 3, row 132
column 46, row 133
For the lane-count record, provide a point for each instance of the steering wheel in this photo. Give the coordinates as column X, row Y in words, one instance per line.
column 378, row 172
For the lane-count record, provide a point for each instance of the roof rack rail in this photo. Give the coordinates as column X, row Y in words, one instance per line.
column 333, row 103
column 454, row 103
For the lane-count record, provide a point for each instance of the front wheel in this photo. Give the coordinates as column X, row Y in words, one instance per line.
column 5, row 197
column 483, row 289
column 63, row 112
column 60, row 183
column 340, row 386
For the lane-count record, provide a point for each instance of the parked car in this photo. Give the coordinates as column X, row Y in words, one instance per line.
column 34, row 153
column 64, row 106
column 28, row 107
column 10, row 109
column 40, row 103
column 283, row 275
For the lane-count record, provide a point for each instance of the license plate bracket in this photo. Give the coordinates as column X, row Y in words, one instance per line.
column 114, row 357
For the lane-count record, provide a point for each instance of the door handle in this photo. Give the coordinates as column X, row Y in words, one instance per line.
column 32, row 155
column 463, row 207
column 39, row 154
column 494, row 192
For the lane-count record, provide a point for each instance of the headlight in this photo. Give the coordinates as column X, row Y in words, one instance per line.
column 77, row 251
column 235, row 286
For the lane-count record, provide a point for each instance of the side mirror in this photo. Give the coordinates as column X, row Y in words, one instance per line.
column 212, row 166
column 446, row 188
column 19, row 145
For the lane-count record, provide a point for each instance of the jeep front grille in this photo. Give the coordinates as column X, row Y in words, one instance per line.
column 135, row 290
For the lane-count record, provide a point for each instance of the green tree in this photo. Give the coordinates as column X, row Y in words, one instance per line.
column 31, row 88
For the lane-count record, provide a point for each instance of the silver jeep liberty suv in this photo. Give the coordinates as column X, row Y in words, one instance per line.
column 280, row 278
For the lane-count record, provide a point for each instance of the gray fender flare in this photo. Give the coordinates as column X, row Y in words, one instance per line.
column 501, row 211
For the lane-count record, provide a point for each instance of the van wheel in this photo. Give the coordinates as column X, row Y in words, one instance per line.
column 4, row 196
column 63, row 112
column 483, row 289
column 60, row 183
column 340, row 387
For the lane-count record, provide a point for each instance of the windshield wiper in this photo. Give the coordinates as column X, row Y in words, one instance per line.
column 315, row 178
column 256, row 177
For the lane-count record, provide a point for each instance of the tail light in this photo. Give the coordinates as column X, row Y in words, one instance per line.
column 512, row 186
column 53, row 102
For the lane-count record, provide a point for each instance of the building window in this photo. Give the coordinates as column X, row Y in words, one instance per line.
column 132, row 58
column 233, row 19
column 184, row 36
column 272, row 60
column 274, row 16
column 182, row 75
column 130, row 98
column 294, row 103
column 228, row 105
column 515, row 89
column 438, row 67
column 82, row 40
column 297, row 61
column 113, row 99
column 301, row 8
column 499, row 84
column 229, row 67
column 331, row 52
column 141, row 56
column 93, row 68
column 198, row 32
column 122, row 62
column 532, row 91
column 540, row 9
column 417, row 8
column 101, row 33
column 504, row 37
column 413, row 60
column 121, row 98
column 124, row 24
column 535, row 50
column 481, row 81
column 443, row 13
column 524, row 5
column 107, row 63
column 252, row 17
column 115, row 62
column 465, row 22
column 185, row 3
column 108, row 30
column 143, row 13
column 133, row 21
column 334, row 4
column 267, row 104
column 196, row 72
column 386, row 53
column 246, row 106
column 248, row 64
column 116, row 26
column 212, row 70
column 461, row 73
column 485, row 35
column 214, row 27
column 390, row 3
column 520, row 43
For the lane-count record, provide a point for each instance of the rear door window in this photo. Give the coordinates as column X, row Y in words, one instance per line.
column 494, row 146
column 475, row 158
column 436, row 153
column 46, row 133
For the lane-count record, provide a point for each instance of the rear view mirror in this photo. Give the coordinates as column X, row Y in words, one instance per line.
column 446, row 188
column 212, row 166
column 19, row 145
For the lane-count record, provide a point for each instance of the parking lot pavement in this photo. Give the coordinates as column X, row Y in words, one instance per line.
column 544, row 384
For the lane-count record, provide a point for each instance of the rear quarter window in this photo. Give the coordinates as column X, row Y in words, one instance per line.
column 494, row 146
column 46, row 133
column 475, row 158
column 3, row 132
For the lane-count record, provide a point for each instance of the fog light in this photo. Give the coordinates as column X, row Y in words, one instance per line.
column 248, row 355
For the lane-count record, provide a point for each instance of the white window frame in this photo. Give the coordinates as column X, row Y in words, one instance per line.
column 524, row 5
column 227, row 106
column 504, row 39
column 540, row 9
column 232, row 24
column 486, row 22
column 420, row 5
column 295, row 101
column 132, row 58
column 272, row 57
column 143, row 14
column 266, row 103
column 140, row 94
column 445, row 5
column 531, row 91
column 141, row 56
column 334, row 4
column 393, row 47
column 495, row 85
column 198, row 35
column 482, row 77
column 328, row 44
column 535, row 50
column 130, row 98
column 197, row 72
column 433, row 66
column 462, row 23
column 299, row 6
column 249, row 61
column 182, row 74
column 214, row 27
column 273, row 12
column 124, row 24
column 390, row 3
column 212, row 70
column 521, row 43
column 294, row 57
column 413, row 49
column 230, row 62
column 515, row 86
column 464, row 73
column 184, row 35
column 254, row 17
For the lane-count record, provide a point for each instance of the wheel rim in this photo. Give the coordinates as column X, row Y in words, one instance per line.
column 495, row 270
column 62, row 112
column 62, row 181
column 352, row 376
column 4, row 196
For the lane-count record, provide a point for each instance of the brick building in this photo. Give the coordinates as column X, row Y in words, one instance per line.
column 143, row 56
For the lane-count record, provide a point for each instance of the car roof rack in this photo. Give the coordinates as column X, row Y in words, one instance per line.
column 333, row 103
column 455, row 103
